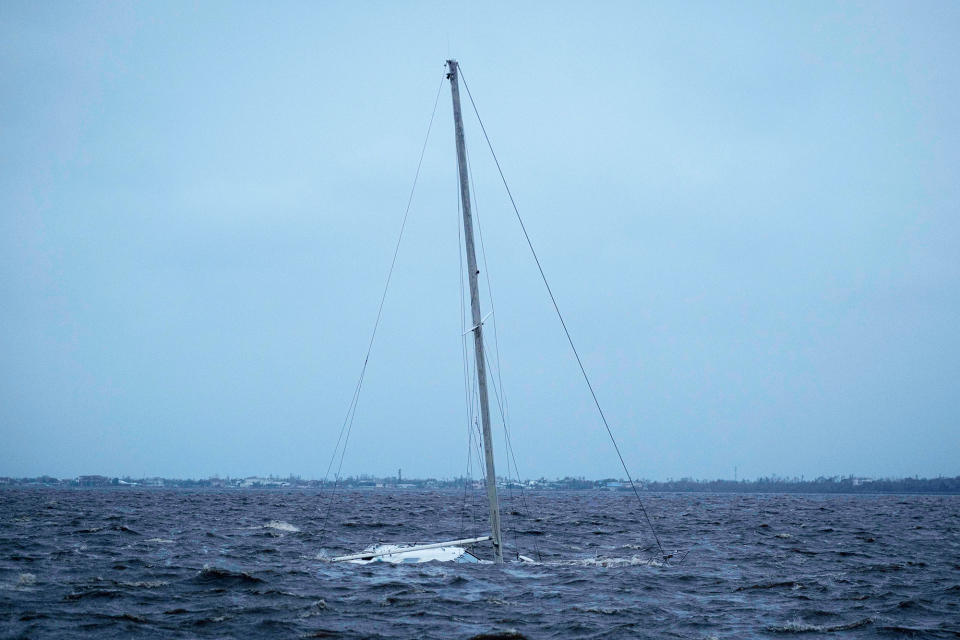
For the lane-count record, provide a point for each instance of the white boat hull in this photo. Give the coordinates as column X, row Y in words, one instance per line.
column 397, row 554
column 451, row 551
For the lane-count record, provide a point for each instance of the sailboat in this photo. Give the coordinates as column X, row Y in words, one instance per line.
column 459, row 550
column 456, row 550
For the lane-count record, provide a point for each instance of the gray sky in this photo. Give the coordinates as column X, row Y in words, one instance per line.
column 748, row 212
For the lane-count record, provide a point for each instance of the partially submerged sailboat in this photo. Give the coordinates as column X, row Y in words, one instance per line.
column 459, row 550
column 455, row 550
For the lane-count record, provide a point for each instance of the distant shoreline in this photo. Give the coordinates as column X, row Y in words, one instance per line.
column 835, row 485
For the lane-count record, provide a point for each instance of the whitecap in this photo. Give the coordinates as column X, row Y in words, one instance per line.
column 280, row 525
column 607, row 611
column 145, row 584
column 798, row 626
column 599, row 561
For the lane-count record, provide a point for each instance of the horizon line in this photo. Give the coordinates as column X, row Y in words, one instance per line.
column 399, row 478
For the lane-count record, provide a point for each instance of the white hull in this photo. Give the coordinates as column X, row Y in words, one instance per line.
column 450, row 551
column 402, row 555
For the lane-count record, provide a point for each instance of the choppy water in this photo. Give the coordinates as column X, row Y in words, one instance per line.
column 180, row 563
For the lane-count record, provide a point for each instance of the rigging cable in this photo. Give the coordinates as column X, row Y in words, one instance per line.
column 497, row 379
column 466, row 378
column 564, row 324
column 506, row 433
column 486, row 273
column 496, row 374
column 469, row 382
column 470, row 373
column 352, row 410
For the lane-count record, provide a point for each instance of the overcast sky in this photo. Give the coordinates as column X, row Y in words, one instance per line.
column 748, row 213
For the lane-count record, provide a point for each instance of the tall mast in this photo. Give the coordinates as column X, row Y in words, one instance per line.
column 477, row 321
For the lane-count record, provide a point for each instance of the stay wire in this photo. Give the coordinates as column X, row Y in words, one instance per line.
column 466, row 477
column 562, row 322
column 466, row 378
column 496, row 374
column 516, row 468
column 469, row 386
column 500, row 395
column 486, row 273
column 352, row 410
column 470, row 373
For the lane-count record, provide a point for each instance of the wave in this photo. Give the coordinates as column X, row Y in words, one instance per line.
column 144, row 584
column 914, row 631
column 797, row 626
column 317, row 608
column 601, row 561
column 117, row 527
column 510, row 634
column 280, row 525
column 771, row 585
column 607, row 611
column 224, row 577
column 94, row 593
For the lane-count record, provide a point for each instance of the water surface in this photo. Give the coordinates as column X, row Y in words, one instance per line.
column 92, row 563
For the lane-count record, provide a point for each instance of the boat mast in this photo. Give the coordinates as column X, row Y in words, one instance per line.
column 477, row 321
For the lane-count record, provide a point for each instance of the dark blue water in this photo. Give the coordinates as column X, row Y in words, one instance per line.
column 231, row 563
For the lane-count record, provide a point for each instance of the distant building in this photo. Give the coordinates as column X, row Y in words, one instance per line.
column 263, row 482
column 94, row 481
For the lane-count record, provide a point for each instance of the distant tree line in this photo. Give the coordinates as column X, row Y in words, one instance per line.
column 772, row 484
column 836, row 484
